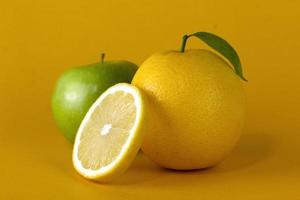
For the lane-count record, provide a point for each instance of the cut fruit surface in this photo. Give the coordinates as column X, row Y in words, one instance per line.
column 111, row 133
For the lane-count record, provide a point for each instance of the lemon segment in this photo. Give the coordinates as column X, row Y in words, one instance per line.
column 111, row 133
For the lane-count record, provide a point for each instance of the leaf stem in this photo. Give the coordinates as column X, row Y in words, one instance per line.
column 102, row 57
column 184, row 39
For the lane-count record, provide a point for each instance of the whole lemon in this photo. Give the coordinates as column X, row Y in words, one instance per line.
column 198, row 107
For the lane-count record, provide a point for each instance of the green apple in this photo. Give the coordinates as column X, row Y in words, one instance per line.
column 78, row 88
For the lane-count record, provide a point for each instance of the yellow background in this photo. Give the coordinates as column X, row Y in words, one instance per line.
column 40, row 39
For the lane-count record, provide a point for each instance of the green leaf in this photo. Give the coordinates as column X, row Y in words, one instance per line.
column 224, row 48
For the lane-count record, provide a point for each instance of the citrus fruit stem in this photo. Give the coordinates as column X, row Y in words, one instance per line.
column 184, row 39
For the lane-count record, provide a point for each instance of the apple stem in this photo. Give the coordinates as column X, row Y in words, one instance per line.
column 102, row 57
column 184, row 39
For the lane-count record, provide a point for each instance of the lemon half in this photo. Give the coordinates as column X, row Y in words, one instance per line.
column 111, row 133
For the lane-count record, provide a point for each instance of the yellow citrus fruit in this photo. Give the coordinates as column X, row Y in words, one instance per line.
column 199, row 106
column 111, row 133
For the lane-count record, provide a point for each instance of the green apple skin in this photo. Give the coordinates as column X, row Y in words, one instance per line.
column 78, row 88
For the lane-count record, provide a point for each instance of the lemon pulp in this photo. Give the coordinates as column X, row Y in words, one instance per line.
column 109, row 136
column 107, row 130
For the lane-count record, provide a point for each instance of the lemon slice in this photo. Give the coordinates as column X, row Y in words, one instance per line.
column 111, row 133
